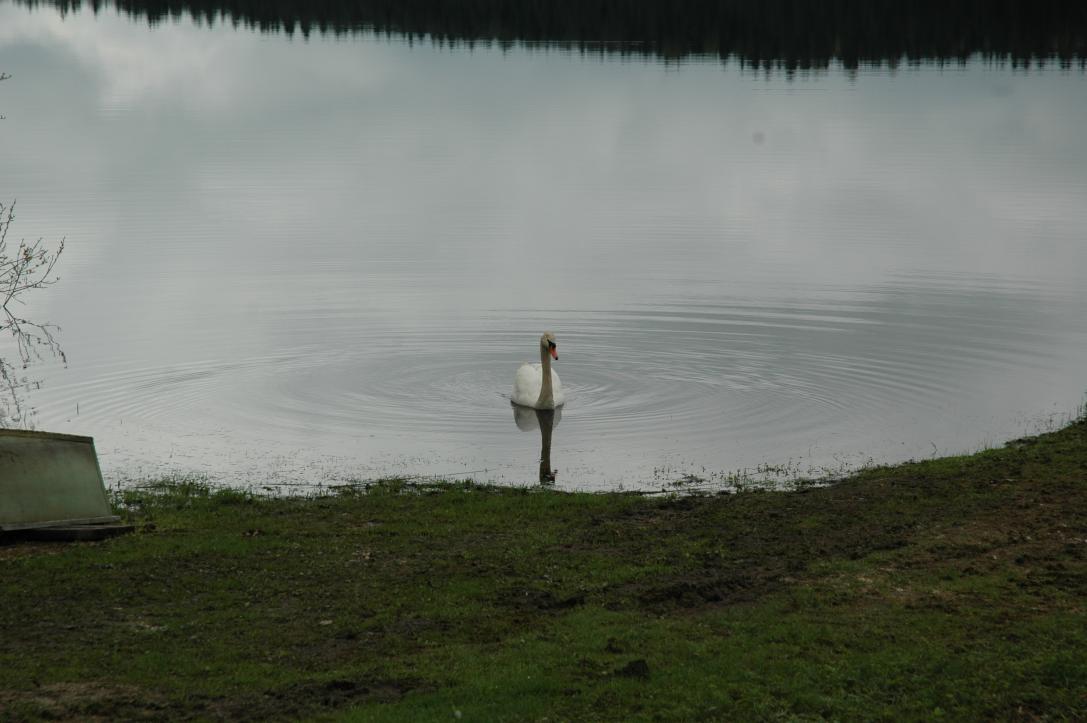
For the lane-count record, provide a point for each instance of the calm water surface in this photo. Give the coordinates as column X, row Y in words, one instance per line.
column 309, row 261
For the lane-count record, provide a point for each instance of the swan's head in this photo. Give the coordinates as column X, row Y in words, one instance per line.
column 547, row 343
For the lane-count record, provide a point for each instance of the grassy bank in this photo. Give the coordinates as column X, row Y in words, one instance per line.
column 953, row 587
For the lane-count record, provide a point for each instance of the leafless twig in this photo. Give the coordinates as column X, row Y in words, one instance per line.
column 28, row 266
column 3, row 76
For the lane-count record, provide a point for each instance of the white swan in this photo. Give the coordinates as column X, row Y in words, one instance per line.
column 536, row 385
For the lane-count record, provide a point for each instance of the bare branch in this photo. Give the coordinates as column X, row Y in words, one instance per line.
column 28, row 266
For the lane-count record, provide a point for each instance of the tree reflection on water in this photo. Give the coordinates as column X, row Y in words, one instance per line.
column 763, row 34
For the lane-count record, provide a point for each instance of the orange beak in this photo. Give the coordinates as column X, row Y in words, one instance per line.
column 555, row 353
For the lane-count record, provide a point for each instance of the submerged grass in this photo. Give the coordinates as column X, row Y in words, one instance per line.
column 948, row 588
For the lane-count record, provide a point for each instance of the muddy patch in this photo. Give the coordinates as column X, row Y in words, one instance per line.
column 86, row 701
column 15, row 546
column 688, row 594
column 304, row 699
column 533, row 598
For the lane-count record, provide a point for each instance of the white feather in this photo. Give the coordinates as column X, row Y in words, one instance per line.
column 528, row 382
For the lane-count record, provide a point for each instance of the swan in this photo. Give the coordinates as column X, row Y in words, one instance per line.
column 536, row 385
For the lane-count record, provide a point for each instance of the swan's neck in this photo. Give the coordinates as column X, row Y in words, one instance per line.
column 546, row 396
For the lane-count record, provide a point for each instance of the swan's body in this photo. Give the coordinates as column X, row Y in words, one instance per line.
column 528, row 385
column 537, row 385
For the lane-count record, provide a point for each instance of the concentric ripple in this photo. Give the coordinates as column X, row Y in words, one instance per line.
column 654, row 392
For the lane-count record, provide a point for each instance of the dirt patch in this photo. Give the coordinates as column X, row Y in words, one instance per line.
column 304, row 699
column 15, row 546
column 536, row 599
column 97, row 701
column 634, row 669
column 697, row 592
column 86, row 701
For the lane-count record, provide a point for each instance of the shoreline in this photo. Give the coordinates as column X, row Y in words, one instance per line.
column 772, row 476
column 950, row 586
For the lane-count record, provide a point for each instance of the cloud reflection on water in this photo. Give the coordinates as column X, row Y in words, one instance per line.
column 335, row 246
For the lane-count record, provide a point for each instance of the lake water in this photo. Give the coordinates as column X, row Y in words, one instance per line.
column 294, row 261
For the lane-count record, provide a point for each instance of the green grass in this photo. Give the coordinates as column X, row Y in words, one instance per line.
column 950, row 588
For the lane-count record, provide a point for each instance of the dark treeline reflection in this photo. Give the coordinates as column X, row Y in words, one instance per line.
column 786, row 34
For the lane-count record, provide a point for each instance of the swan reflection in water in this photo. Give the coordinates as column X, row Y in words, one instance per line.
column 545, row 420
